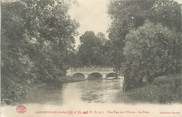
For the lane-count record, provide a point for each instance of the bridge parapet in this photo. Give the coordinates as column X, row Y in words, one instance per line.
column 88, row 70
column 91, row 69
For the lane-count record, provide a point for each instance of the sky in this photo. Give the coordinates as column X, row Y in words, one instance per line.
column 91, row 14
column 180, row 1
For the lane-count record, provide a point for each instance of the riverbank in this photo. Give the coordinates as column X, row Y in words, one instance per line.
column 164, row 89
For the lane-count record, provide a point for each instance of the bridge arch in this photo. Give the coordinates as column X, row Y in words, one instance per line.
column 112, row 74
column 91, row 72
column 78, row 76
column 95, row 75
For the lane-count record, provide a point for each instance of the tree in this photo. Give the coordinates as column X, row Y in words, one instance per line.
column 131, row 14
column 152, row 50
column 102, row 38
column 90, row 49
column 37, row 37
column 168, row 13
column 49, row 25
column 93, row 50
column 14, row 64
column 125, row 15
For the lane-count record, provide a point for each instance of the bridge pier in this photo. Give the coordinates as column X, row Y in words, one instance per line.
column 86, row 76
column 104, row 76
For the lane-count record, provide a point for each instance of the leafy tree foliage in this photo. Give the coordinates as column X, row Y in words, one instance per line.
column 131, row 43
column 125, row 15
column 151, row 51
column 167, row 12
column 131, row 14
column 53, row 30
column 93, row 50
column 37, row 36
column 13, row 64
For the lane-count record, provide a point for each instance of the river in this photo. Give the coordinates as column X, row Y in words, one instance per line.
column 88, row 91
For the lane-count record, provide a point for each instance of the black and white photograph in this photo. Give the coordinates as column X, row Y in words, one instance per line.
column 72, row 52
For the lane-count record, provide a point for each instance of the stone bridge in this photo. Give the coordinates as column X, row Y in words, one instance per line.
column 87, row 72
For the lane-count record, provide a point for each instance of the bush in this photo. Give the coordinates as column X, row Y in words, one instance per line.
column 164, row 89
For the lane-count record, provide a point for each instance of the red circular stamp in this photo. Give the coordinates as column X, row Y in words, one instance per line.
column 21, row 109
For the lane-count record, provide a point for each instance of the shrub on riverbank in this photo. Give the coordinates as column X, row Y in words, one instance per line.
column 164, row 89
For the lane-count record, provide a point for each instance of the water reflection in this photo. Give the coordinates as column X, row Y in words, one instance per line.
column 46, row 95
column 101, row 91
column 88, row 91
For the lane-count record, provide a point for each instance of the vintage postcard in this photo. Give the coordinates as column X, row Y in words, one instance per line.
column 91, row 58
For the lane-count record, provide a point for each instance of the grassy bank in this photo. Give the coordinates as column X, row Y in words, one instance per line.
column 164, row 89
